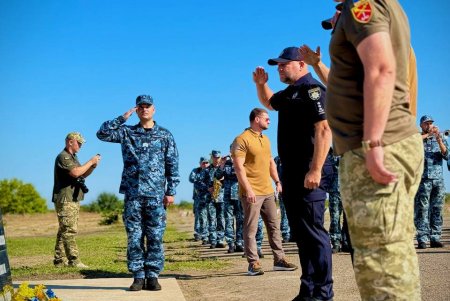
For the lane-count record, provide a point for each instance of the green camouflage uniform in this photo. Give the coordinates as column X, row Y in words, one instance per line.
column 67, row 197
column 381, row 221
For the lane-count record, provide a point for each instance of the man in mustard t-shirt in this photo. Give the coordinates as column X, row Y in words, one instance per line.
column 255, row 168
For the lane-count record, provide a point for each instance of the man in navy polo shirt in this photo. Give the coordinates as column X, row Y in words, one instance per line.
column 301, row 116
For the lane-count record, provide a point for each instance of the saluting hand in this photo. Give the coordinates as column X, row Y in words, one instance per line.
column 309, row 56
column 127, row 115
column 260, row 76
column 376, row 168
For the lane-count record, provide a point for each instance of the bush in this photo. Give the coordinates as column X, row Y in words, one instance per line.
column 186, row 205
column 19, row 197
column 105, row 203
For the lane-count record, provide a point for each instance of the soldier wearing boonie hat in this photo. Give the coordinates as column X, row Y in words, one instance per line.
column 67, row 193
column 149, row 180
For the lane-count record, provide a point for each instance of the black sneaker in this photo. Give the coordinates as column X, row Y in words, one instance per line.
column 137, row 284
column 436, row 244
column 220, row 245
column 335, row 249
column 212, row 246
column 231, row 249
column 152, row 284
column 260, row 254
column 422, row 245
column 239, row 248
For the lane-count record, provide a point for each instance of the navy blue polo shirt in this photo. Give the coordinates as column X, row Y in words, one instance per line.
column 299, row 107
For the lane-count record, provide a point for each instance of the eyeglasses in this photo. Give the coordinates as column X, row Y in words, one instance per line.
column 265, row 119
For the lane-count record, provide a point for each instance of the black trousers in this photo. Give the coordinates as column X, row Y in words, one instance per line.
column 306, row 220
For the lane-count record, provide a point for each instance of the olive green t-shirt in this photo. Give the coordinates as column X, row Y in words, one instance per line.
column 64, row 188
column 255, row 148
column 345, row 101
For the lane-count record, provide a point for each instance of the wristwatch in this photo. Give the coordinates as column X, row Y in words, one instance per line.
column 367, row 145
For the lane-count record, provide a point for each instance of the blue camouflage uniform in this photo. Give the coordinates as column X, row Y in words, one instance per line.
column 206, row 209
column 284, row 223
column 194, row 179
column 429, row 199
column 233, row 208
column 217, row 203
column 150, row 171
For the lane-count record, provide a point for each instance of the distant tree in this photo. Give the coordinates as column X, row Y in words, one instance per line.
column 105, row 202
column 19, row 197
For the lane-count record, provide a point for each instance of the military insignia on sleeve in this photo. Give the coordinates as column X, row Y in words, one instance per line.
column 314, row 93
column 362, row 11
column 66, row 158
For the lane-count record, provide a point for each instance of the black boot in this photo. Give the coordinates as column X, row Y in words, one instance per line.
column 137, row 284
column 152, row 284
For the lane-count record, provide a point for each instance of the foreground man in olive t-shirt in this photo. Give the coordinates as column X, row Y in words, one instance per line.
column 382, row 156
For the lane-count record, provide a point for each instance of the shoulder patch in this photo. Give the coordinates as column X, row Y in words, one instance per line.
column 362, row 11
column 66, row 158
column 314, row 93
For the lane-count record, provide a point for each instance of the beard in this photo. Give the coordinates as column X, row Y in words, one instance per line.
column 286, row 79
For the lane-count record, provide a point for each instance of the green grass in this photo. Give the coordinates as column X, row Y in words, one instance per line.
column 104, row 253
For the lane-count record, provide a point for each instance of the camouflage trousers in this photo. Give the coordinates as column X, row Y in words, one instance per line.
column 145, row 222
column 428, row 209
column 381, row 223
column 208, row 221
column 233, row 231
column 197, row 227
column 284, row 223
column 335, row 207
column 66, row 249
column 259, row 233
column 220, row 215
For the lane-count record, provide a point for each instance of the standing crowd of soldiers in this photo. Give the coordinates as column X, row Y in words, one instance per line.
column 218, row 214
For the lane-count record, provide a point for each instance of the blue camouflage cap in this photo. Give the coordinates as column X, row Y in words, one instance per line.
column 216, row 154
column 426, row 118
column 204, row 159
column 144, row 99
column 287, row 55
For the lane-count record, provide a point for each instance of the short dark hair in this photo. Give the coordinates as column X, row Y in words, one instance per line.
column 255, row 112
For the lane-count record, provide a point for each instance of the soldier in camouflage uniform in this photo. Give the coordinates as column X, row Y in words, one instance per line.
column 215, row 201
column 338, row 236
column 67, row 195
column 381, row 152
column 233, row 208
column 284, row 223
column 149, row 178
column 430, row 197
column 194, row 179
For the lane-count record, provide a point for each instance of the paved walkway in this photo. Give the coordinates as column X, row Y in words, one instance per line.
column 109, row 289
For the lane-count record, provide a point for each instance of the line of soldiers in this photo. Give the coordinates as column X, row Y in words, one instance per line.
column 217, row 210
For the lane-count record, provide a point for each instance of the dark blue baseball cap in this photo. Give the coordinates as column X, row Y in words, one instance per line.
column 426, row 118
column 287, row 55
column 216, row 154
column 144, row 99
column 204, row 159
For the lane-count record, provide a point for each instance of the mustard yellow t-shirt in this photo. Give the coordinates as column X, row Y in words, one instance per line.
column 255, row 148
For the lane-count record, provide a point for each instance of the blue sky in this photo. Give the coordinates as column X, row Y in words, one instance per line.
column 70, row 65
